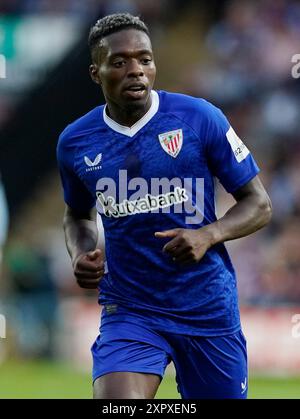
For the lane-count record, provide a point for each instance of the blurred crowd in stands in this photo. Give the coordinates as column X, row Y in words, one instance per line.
column 249, row 74
column 26, row 26
column 88, row 8
column 247, row 71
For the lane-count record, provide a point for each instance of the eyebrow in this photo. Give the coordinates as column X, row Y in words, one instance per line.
column 127, row 53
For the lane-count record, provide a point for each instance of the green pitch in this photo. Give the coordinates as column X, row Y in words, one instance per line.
column 52, row 380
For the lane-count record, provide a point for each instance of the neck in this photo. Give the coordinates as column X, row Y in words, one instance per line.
column 129, row 114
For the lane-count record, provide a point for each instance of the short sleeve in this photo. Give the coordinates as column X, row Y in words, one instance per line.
column 76, row 195
column 228, row 157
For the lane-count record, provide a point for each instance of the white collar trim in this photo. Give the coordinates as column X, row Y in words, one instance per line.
column 131, row 131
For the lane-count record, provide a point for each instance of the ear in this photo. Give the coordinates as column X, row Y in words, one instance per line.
column 94, row 73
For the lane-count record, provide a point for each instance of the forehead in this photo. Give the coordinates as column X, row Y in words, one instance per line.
column 126, row 41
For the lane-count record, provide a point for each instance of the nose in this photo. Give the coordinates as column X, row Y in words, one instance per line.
column 135, row 69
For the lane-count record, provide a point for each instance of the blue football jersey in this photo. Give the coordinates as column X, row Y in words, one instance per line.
column 158, row 175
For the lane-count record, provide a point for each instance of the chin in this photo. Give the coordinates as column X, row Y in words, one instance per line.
column 135, row 99
column 136, row 103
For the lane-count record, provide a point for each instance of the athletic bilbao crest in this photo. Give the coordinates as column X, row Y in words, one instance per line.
column 171, row 142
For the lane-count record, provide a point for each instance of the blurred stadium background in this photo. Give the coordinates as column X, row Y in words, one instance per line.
column 237, row 54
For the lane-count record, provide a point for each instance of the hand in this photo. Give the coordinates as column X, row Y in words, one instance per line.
column 89, row 269
column 187, row 246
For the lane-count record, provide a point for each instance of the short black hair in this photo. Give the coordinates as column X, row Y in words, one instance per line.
column 114, row 23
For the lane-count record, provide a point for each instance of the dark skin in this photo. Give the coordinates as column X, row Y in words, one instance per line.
column 251, row 212
column 123, row 61
column 124, row 67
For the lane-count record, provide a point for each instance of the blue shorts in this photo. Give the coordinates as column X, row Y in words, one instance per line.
column 206, row 367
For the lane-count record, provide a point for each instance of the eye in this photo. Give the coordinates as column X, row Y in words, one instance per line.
column 119, row 63
column 146, row 61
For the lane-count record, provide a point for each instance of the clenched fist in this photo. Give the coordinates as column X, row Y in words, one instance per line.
column 89, row 269
column 188, row 246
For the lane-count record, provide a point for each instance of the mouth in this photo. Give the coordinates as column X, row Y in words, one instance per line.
column 136, row 90
column 135, row 87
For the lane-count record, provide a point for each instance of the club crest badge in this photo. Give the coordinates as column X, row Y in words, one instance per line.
column 171, row 142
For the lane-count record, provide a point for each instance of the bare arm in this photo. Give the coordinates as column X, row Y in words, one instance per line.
column 251, row 212
column 81, row 239
column 80, row 232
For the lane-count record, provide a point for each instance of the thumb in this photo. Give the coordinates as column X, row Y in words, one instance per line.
column 94, row 254
column 166, row 233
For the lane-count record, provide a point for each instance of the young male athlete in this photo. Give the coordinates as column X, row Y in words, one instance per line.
column 148, row 161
